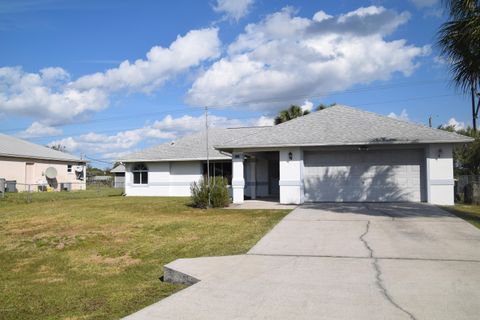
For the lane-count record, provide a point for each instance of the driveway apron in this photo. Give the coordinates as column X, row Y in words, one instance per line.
column 339, row 261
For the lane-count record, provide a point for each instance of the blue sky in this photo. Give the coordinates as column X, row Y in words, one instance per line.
column 64, row 79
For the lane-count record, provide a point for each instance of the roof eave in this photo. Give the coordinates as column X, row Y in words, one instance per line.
column 8, row 155
column 232, row 147
column 173, row 159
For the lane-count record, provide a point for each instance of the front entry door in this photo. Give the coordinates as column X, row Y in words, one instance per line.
column 273, row 177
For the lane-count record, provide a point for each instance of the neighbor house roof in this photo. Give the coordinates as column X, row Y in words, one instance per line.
column 18, row 148
column 342, row 125
column 192, row 147
column 118, row 169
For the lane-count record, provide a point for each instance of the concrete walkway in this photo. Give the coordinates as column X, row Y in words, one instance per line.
column 338, row 261
column 261, row 204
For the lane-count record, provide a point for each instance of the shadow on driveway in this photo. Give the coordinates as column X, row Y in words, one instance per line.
column 392, row 210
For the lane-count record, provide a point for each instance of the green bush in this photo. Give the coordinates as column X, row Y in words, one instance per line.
column 199, row 193
column 219, row 196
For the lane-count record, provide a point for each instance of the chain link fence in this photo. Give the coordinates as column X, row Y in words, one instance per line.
column 14, row 192
column 100, row 182
column 467, row 189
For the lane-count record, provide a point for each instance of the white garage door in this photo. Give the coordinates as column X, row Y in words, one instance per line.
column 373, row 175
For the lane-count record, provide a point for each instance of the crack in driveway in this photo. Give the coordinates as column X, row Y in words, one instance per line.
column 365, row 243
column 378, row 275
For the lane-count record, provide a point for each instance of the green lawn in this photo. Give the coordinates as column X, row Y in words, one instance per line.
column 470, row 213
column 25, row 197
column 98, row 255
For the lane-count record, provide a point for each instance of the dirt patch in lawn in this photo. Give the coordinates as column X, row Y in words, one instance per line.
column 121, row 261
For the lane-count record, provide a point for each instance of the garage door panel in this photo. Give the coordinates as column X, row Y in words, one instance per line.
column 363, row 176
column 373, row 158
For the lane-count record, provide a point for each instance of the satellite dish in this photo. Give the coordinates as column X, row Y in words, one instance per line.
column 78, row 169
column 51, row 173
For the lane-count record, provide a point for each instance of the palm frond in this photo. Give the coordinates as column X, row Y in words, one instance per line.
column 459, row 43
column 460, row 9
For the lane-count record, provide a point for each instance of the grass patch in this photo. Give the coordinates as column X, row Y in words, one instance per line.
column 101, row 256
column 470, row 213
column 32, row 197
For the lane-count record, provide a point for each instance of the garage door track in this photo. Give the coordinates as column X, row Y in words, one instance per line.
column 339, row 261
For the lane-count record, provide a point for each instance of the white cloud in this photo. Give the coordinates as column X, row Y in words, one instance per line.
column 233, row 9
column 264, row 121
column 45, row 95
column 439, row 60
column 425, row 3
column 319, row 16
column 94, row 143
column 402, row 116
column 458, row 125
column 188, row 124
column 307, row 106
column 37, row 130
column 52, row 98
column 431, row 8
column 54, row 75
column 160, row 64
column 285, row 58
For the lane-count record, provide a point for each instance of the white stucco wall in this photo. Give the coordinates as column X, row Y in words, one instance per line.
column 291, row 176
column 164, row 179
column 13, row 169
column 439, row 174
column 16, row 169
column 238, row 180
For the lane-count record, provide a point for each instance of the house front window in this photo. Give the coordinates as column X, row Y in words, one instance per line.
column 219, row 169
column 140, row 174
column 69, row 168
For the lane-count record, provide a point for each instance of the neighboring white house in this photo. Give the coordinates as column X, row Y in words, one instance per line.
column 119, row 176
column 27, row 163
column 339, row 154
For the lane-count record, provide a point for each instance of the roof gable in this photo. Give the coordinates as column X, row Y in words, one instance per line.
column 118, row 169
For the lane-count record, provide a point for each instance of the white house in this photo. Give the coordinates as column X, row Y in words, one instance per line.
column 170, row 168
column 27, row 163
column 339, row 154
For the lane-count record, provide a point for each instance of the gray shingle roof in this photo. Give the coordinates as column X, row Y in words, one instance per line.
column 192, row 147
column 18, row 148
column 118, row 169
column 342, row 125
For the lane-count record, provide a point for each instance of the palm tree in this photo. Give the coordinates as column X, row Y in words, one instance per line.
column 290, row 113
column 459, row 42
column 323, row 106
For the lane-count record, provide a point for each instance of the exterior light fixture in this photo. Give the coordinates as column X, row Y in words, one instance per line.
column 290, row 156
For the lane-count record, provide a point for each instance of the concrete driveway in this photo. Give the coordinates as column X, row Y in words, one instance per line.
column 338, row 261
